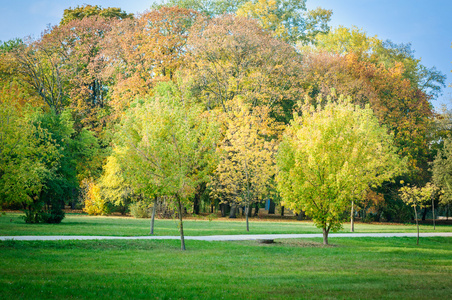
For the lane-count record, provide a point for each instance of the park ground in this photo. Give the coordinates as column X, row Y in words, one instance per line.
column 351, row 268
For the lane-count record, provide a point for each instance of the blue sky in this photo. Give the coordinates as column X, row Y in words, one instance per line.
column 427, row 25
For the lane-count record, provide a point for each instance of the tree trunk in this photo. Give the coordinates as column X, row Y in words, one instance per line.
column 153, row 215
column 271, row 207
column 181, row 225
column 300, row 215
column 433, row 212
column 223, row 209
column 325, row 235
column 247, row 207
column 233, row 212
column 282, row 211
column 256, row 209
column 352, row 224
column 424, row 214
column 74, row 198
column 197, row 201
column 417, row 225
column 196, row 204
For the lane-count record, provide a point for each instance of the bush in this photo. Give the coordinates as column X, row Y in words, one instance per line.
column 38, row 212
column 140, row 210
column 55, row 214
column 94, row 204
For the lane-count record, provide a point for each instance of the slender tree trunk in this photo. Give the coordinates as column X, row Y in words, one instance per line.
column 433, row 212
column 196, row 205
column 325, row 235
column 424, row 214
column 223, row 209
column 153, row 215
column 282, row 211
column 417, row 225
column 247, row 207
column 181, row 225
column 233, row 211
column 256, row 209
column 352, row 224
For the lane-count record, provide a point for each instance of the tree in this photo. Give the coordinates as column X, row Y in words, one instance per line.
column 246, row 168
column 417, row 197
column 442, row 172
column 79, row 158
column 84, row 11
column 285, row 19
column 65, row 69
column 146, row 51
column 114, row 188
column 327, row 155
column 78, row 44
column 27, row 157
column 344, row 41
column 405, row 110
column 234, row 57
column 210, row 8
column 288, row 20
column 41, row 68
column 165, row 145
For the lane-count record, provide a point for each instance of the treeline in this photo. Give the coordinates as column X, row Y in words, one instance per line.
column 187, row 104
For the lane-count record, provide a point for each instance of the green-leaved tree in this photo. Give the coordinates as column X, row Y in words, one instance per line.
column 329, row 155
column 165, row 145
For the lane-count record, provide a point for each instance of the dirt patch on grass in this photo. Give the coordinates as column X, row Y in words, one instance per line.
column 298, row 243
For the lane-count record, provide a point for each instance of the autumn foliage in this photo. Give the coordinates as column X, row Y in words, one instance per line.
column 185, row 102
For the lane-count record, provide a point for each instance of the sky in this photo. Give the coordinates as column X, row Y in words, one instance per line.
column 427, row 25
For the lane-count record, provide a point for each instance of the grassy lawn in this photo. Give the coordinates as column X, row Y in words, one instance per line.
column 364, row 268
column 13, row 224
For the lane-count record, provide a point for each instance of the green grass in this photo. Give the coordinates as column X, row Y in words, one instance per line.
column 13, row 224
column 354, row 268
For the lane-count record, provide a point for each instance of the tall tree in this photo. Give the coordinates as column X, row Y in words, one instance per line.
column 288, row 20
column 233, row 56
column 78, row 45
column 145, row 51
column 27, row 156
column 405, row 110
column 165, row 146
column 84, row 11
column 442, row 172
column 344, row 40
column 13, row 89
column 210, row 8
column 41, row 68
column 330, row 153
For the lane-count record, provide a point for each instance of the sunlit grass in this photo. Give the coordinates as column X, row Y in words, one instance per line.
column 355, row 268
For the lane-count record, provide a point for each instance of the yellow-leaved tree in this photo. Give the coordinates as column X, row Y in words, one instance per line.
column 417, row 197
column 328, row 156
column 246, row 168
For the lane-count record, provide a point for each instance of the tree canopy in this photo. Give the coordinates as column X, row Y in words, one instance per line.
column 166, row 146
column 328, row 155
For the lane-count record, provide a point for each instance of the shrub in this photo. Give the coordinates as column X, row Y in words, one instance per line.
column 139, row 209
column 94, row 204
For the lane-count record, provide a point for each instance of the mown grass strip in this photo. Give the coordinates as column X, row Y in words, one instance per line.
column 365, row 268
